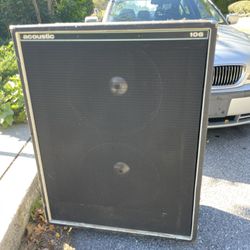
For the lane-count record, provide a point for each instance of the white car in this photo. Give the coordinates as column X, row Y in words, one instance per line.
column 230, row 98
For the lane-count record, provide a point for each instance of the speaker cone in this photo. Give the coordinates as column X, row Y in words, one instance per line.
column 112, row 98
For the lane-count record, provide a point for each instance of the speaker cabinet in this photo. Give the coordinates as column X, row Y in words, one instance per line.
column 118, row 114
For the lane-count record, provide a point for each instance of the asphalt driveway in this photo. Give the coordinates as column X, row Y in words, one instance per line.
column 225, row 202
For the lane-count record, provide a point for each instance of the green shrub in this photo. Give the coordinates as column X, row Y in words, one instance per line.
column 8, row 65
column 11, row 94
column 241, row 7
column 12, row 102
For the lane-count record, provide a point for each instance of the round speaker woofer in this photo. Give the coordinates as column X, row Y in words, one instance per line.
column 113, row 170
column 121, row 168
column 118, row 86
column 118, row 93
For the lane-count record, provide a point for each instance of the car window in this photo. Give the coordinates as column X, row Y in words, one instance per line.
column 150, row 10
column 188, row 10
column 206, row 12
column 128, row 10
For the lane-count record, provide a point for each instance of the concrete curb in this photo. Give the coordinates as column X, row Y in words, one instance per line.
column 18, row 189
column 14, row 233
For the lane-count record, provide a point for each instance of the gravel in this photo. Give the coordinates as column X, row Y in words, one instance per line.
column 224, row 221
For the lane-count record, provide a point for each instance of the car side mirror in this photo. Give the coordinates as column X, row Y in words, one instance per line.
column 232, row 18
column 91, row 19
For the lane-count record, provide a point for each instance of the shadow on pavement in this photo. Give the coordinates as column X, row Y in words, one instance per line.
column 14, row 154
column 217, row 230
column 18, row 131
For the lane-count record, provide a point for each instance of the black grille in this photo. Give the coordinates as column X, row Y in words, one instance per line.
column 118, row 120
column 227, row 75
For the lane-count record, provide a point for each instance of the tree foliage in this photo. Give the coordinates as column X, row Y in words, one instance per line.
column 73, row 11
column 223, row 5
column 44, row 11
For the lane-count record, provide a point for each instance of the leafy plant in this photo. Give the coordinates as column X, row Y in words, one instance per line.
column 37, row 205
column 12, row 102
column 11, row 94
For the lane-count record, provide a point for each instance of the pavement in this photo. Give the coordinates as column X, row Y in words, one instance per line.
column 12, row 141
column 224, row 221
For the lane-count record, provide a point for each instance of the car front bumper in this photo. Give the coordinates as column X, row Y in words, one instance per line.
column 229, row 107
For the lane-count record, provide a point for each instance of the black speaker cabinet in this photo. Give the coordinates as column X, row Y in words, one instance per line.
column 118, row 114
